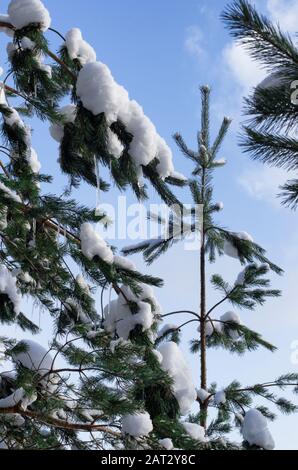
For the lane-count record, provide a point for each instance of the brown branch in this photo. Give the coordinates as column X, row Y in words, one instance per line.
column 57, row 423
column 61, row 63
column 6, row 25
column 16, row 92
column 4, row 169
column 220, row 302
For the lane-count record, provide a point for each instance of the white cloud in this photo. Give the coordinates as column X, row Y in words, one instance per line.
column 193, row 41
column 284, row 12
column 263, row 183
column 245, row 71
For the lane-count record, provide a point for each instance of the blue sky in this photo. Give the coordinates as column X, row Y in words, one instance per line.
column 161, row 52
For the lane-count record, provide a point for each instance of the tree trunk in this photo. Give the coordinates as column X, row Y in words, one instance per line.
column 203, row 364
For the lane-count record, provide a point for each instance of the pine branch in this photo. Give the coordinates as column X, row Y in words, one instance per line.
column 265, row 42
column 57, row 423
column 289, row 194
column 184, row 149
column 220, row 137
column 278, row 150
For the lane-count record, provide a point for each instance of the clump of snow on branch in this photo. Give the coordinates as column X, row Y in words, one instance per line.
column 92, row 244
column 158, row 355
column 195, row 431
column 73, row 306
column 219, row 206
column 90, row 414
column 9, row 193
column 3, row 219
column 68, row 114
column 33, row 161
column 166, row 443
column 115, row 147
column 27, row 44
column 81, row 281
column 241, row 278
column 100, row 93
column 166, row 329
column 36, row 358
column 255, row 430
column 23, row 276
column 78, row 48
column 220, row 397
column 218, row 163
column 202, row 395
column 18, row 397
column 230, row 249
column 124, row 263
column 118, row 343
column 175, row 365
column 25, row 12
column 212, row 325
column 145, row 293
column 119, row 318
column 137, row 425
column 8, row 287
column 232, row 317
column 14, row 119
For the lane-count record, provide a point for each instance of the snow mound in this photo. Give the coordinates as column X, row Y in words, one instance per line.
column 93, row 245
column 219, row 206
column 100, row 93
column 195, row 431
column 145, row 293
column 33, row 161
column 124, row 263
column 14, row 399
column 36, row 357
column 255, row 430
column 25, row 12
column 14, row 119
column 202, row 394
column 167, row 328
column 166, row 443
column 8, row 287
column 231, row 250
column 137, row 425
column 232, row 317
column 115, row 147
column 220, row 397
column 220, row 162
column 78, row 48
column 10, row 193
column 120, row 320
column 81, row 281
column 68, row 114
column 175, row 365
column 241, row 278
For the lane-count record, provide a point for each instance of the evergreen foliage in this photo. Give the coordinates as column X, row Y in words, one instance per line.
column 76, row 395
column 226, row 408
column 269, row 134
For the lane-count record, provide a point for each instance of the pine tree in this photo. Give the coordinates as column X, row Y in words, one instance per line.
column 233, row 406
column 269, row 135
column 102, row 374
